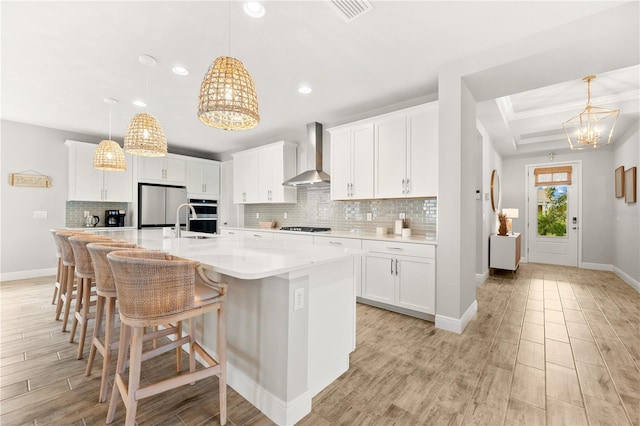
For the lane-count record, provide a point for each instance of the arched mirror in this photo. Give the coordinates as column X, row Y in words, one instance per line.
column 495, row 190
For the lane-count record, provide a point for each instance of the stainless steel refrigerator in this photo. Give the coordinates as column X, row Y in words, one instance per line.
column 157, row 205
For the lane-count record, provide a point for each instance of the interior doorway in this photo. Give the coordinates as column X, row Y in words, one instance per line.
column 553, row 213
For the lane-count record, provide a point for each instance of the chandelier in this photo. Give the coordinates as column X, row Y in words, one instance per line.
column 593, row 127
column 145, row 135
column 228, row 97
column 108, row 155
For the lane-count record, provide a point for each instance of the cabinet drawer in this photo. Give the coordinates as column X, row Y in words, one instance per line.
column 231, row 233
column 257, row 235
column 293, row 238
column 395, row 248
column 353, row 243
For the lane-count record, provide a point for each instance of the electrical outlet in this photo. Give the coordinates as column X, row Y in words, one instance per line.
column 285, row 215
column 403, row 216
column 86, row 213
column 369, row 217
column 298, row 299
column 39, row 214
column 257, row 215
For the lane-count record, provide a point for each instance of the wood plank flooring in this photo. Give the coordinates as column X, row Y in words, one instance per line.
column 554, row 346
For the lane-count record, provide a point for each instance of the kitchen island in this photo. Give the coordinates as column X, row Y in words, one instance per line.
column 291, row 315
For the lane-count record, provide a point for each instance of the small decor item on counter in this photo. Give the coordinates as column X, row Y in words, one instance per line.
column 381, row 231
column 399, row 224
column 268, row 225
column 406, row 232
column 91, row 221
column 502, row 229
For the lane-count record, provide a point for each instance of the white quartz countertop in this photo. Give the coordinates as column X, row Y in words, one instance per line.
column 417, row 239
column 237, row 258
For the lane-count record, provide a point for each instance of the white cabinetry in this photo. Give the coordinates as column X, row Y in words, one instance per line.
column 406, row 153
column 352, row 162
column 347, row 243
column 203, row 179
column 258, row 174
column 170, row 169
column 400, row 276
column 88, row 184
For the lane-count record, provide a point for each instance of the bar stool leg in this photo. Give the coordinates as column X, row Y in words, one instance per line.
column 62, row 291
column 84, row 315
column 97, row 331
column 71, row 270
column 120, row 368
column 56, row 287
column 79, row 303
column 222, row 360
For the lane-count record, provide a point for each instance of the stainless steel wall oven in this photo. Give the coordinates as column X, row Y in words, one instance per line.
column 207, row 216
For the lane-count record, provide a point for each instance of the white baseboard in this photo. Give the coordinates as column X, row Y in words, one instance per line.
column 271, row 406
column 626, row 278
column 22, row 275
column 456, row 325
column 596, row 266
column 481, row 277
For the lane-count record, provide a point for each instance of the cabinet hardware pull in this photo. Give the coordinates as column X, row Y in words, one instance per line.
column 395, row 248
column 404, row 186
column 257, row 236
column 391, row 266
column 396, row 266
column 232, row 233
column 408, row 186
column 335, row 243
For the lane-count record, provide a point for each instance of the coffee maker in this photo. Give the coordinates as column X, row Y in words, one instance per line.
column 113, row 218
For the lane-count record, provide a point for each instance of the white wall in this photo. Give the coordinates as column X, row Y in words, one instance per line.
column 27, row 247
column 625, row 217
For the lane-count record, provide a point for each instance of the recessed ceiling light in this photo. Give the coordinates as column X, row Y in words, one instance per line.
column 305, row 90
column 180, row 70
column 254, row 9
column 139, row 103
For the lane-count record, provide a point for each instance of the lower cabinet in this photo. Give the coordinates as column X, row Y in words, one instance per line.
column 400, row 275
column 346, row 243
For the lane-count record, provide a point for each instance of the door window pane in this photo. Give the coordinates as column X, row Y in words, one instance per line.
column 552, row 211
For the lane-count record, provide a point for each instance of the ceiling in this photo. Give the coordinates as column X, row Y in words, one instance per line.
column 60, row 59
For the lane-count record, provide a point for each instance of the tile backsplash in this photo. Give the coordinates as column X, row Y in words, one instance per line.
column 75, row 212
column 315, row 208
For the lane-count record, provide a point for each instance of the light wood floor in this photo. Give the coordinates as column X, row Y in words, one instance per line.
column 554, row 346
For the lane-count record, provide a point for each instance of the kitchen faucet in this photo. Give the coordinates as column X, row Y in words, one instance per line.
column 195, row 216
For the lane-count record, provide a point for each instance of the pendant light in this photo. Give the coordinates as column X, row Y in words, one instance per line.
column 145, row 136
column 228, row 97
column 108, row 155
column 593, row 127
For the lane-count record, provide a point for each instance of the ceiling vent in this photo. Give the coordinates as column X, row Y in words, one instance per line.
column 350, row 9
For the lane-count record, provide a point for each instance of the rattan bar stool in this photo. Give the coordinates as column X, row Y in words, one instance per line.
column 153, row 290
column 68, row 276
column 103, row 340
column 57, row 292
column 86, row 277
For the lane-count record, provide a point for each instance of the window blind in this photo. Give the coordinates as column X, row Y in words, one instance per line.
column 548, row 176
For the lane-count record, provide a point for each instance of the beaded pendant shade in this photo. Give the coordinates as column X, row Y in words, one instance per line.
column 228, row 97
column 145, row 137
column 109, row 157
column 593, row 127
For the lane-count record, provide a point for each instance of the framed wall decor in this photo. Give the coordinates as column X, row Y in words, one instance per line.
column 630, row 185
column 620, row 182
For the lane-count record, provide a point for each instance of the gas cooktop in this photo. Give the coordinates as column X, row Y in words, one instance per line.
column 305, row 229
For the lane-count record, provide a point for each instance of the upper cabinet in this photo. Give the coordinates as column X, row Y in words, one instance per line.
column 203, row 179
column 406, row 153
column 390, row 156
column 88, row 184
column 352, row 162
column 258, row 174
column 169, row 170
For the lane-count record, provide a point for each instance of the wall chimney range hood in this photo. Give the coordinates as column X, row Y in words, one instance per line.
column 314, row 158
